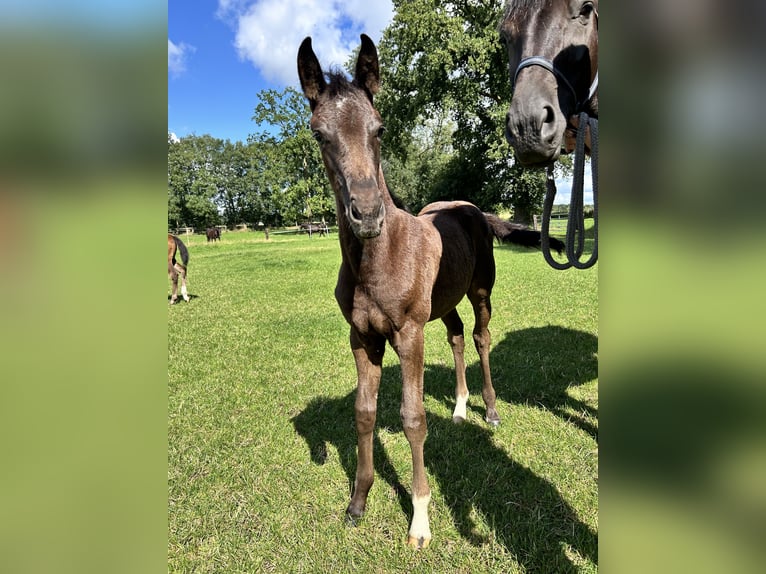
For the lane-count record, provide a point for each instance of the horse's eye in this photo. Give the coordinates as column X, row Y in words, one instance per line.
column 381, row 131
column 317, row 136
column 586, row 10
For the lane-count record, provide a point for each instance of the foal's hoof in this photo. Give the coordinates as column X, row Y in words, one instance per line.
column 458, row 420
column 418, row 543
column 353, row 516
column 492, row 418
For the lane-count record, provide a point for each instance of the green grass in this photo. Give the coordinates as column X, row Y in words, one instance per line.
column 261, row 441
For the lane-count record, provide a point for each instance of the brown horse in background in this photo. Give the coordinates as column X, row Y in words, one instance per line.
column 213, row 234
column 398, row 271
column 553, row 56
column 176, row 269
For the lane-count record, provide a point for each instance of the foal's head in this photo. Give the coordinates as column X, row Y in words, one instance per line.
column 348, row 129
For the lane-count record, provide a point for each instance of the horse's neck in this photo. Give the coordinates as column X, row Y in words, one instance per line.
column 387, row 199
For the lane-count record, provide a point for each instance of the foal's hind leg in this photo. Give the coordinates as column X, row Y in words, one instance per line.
column 173, row 274
column 182, row 272
column 482, row 309
column 456, row 340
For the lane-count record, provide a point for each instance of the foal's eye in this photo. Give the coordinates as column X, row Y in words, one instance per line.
column 381, row 131
column 317, row 136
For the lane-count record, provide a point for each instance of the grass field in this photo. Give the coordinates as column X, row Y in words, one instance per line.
column 261, row 440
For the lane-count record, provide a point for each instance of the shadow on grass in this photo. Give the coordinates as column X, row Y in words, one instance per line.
column 532, row 366
column 525, row 511
column 327, row 421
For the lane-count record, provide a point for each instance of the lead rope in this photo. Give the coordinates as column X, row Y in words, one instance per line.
column 575, row 235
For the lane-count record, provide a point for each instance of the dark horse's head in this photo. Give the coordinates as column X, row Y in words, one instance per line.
column 348, row 129
column 553, row 54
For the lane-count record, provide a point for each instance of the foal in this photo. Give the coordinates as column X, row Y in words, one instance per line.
column 398, row 271
column 176, row 269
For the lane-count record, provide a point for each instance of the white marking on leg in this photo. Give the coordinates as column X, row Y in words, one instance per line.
column 460, row 407
column 420, row 532
column 183, row 292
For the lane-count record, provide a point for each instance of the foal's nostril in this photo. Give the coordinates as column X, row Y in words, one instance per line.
column 355, row 213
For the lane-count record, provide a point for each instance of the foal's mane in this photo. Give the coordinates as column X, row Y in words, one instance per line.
column 338, row 83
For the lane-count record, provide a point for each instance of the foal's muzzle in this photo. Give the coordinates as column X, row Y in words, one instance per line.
column 365, row 211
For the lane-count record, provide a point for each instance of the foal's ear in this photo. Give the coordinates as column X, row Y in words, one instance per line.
column 367, row 73
column 310, row 73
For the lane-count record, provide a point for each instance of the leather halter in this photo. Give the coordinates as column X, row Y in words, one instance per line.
column 548, row 65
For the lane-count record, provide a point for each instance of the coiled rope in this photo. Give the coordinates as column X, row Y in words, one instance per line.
column 575, row 234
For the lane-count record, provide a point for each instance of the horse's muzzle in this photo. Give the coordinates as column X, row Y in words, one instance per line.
column 365, row 214
column 535, row 129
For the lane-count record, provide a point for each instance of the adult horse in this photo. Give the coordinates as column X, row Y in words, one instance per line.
column 213, row 234
column 177, row 269
column 314, row 228
column 553, row 56
column 397, row 271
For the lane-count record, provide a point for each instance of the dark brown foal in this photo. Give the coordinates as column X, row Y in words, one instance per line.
column 398, row 271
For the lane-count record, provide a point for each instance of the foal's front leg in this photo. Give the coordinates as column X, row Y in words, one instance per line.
column 368, row 355
column 408, row 344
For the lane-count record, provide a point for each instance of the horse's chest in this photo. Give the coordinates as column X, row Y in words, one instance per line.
column 379, row 314
column 381, row 296
column 368, row 316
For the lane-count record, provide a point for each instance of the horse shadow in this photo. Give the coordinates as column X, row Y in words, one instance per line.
column 526, row 513
column 537, row 365
column 330, row 421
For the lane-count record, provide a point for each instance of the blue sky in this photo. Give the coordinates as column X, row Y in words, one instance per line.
column 221, row 53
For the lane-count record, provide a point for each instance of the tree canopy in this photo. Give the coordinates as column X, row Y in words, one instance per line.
column 446, row 91
column 277, row 178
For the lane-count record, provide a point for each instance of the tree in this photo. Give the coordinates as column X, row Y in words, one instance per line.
column 193, row 181
column 233, row 182
column 417, row 175
column 292, row 168
column 443, row 65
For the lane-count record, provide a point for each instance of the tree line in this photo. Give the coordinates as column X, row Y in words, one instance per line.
column 444, row 95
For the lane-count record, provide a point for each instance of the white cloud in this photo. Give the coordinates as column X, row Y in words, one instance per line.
column 177, row 54
column 268, row 32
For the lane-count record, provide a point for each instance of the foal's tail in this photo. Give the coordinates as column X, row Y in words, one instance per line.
column 184, row 252
column 508, row 232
